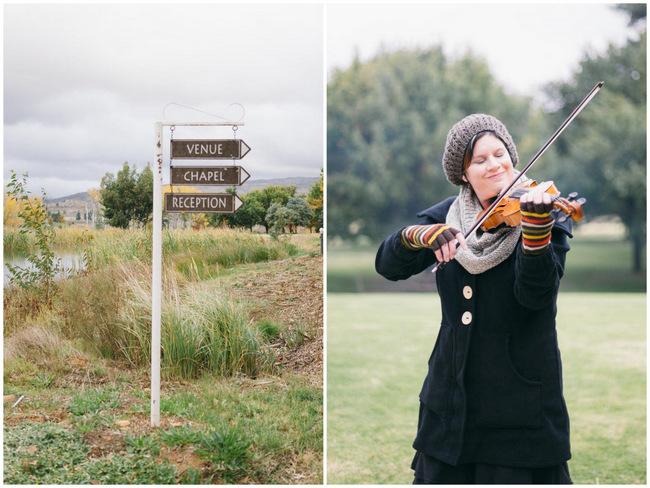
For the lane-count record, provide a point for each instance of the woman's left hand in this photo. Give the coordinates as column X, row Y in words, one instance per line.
column 537, row 200
column 536, row 221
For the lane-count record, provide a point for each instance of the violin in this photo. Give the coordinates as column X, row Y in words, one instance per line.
column 507, row 211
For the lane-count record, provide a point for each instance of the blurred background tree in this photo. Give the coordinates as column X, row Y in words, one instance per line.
column 387, row 124
column 605, row 157
column 388, row 118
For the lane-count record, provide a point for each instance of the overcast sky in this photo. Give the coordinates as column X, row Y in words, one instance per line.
column 525, row 44
column 85, row 83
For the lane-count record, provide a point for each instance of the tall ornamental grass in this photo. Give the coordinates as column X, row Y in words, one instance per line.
column 200, row 255
column 202, row 331
column 213, row 248
column 13, row 240
column 106, row 309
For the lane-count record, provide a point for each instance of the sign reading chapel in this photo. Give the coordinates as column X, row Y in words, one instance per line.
column 208, row 175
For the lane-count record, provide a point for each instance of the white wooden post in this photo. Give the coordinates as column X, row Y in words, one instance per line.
column 156, row 279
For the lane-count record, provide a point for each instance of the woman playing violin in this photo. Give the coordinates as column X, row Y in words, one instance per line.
column 492, row 409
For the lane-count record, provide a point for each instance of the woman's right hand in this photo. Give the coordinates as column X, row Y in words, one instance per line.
column 440, row 238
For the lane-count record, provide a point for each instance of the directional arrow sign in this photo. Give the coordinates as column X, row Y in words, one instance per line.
column 208, row 149
column 208, row 175
column 202, row 203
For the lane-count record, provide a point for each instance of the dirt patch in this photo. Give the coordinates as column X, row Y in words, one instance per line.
column 103, row 442
column 289, row 291
column 183, row 459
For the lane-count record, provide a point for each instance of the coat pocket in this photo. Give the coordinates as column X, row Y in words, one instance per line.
column 507, row 399
column 435, row 391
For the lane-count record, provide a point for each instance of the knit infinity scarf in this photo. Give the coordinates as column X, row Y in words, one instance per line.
column 485, row 250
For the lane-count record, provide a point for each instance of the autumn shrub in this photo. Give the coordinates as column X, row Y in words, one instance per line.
column 39, row 347
column 88, row 307
column 43, row 265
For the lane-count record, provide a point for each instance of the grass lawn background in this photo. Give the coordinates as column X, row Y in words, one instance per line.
column 377, row 349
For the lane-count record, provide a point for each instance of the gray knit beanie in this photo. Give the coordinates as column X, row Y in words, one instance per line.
column 459, row 137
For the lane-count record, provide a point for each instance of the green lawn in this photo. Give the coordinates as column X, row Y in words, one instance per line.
column 593, row 265
column 377, row 351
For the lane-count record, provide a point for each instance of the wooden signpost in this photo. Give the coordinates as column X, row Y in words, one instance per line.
column 187, row 203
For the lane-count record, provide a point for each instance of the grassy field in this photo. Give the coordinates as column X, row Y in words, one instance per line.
column 377, row 351
column 594, row 264
column 242, row 390
column 94, row 428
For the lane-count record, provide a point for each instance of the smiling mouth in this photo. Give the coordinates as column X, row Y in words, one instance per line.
column 496, row 177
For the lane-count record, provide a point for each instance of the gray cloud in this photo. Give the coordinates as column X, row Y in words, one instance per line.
column 85, row 83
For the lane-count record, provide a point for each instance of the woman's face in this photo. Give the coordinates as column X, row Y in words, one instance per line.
column 490, row 169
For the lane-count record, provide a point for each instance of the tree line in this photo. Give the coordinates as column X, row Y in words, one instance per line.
column 387, row 121
column 127, row 199
column 605, row 158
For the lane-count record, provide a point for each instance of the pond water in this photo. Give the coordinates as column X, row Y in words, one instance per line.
column 68, row 262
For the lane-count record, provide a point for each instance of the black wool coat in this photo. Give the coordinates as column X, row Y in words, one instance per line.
column 493, row 392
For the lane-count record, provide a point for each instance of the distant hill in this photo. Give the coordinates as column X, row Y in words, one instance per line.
column 84, row 196
column 302, row 183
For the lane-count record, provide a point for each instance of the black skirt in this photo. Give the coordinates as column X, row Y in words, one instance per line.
column 430, row 471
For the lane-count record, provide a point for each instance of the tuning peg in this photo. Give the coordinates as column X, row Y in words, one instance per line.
column 573, row 195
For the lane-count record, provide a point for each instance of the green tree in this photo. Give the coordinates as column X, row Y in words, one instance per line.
column 636, row 11
column 127, row 197
column 278, row 217
column 292, row 215
column 604, row 159
column 255, row 207
column 250, row 214
column 269, row 195
column 246, row 216
column 315, row 202
column 143, row 206
column 300, row 214
column 387, row 122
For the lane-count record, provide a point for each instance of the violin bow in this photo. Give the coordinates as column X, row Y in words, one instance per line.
column 504, row 193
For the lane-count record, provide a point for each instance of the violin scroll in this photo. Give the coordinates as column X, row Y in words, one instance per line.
column 569, row 207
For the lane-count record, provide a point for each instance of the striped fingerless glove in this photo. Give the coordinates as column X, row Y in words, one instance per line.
column 416, row 237
column 535, row 229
